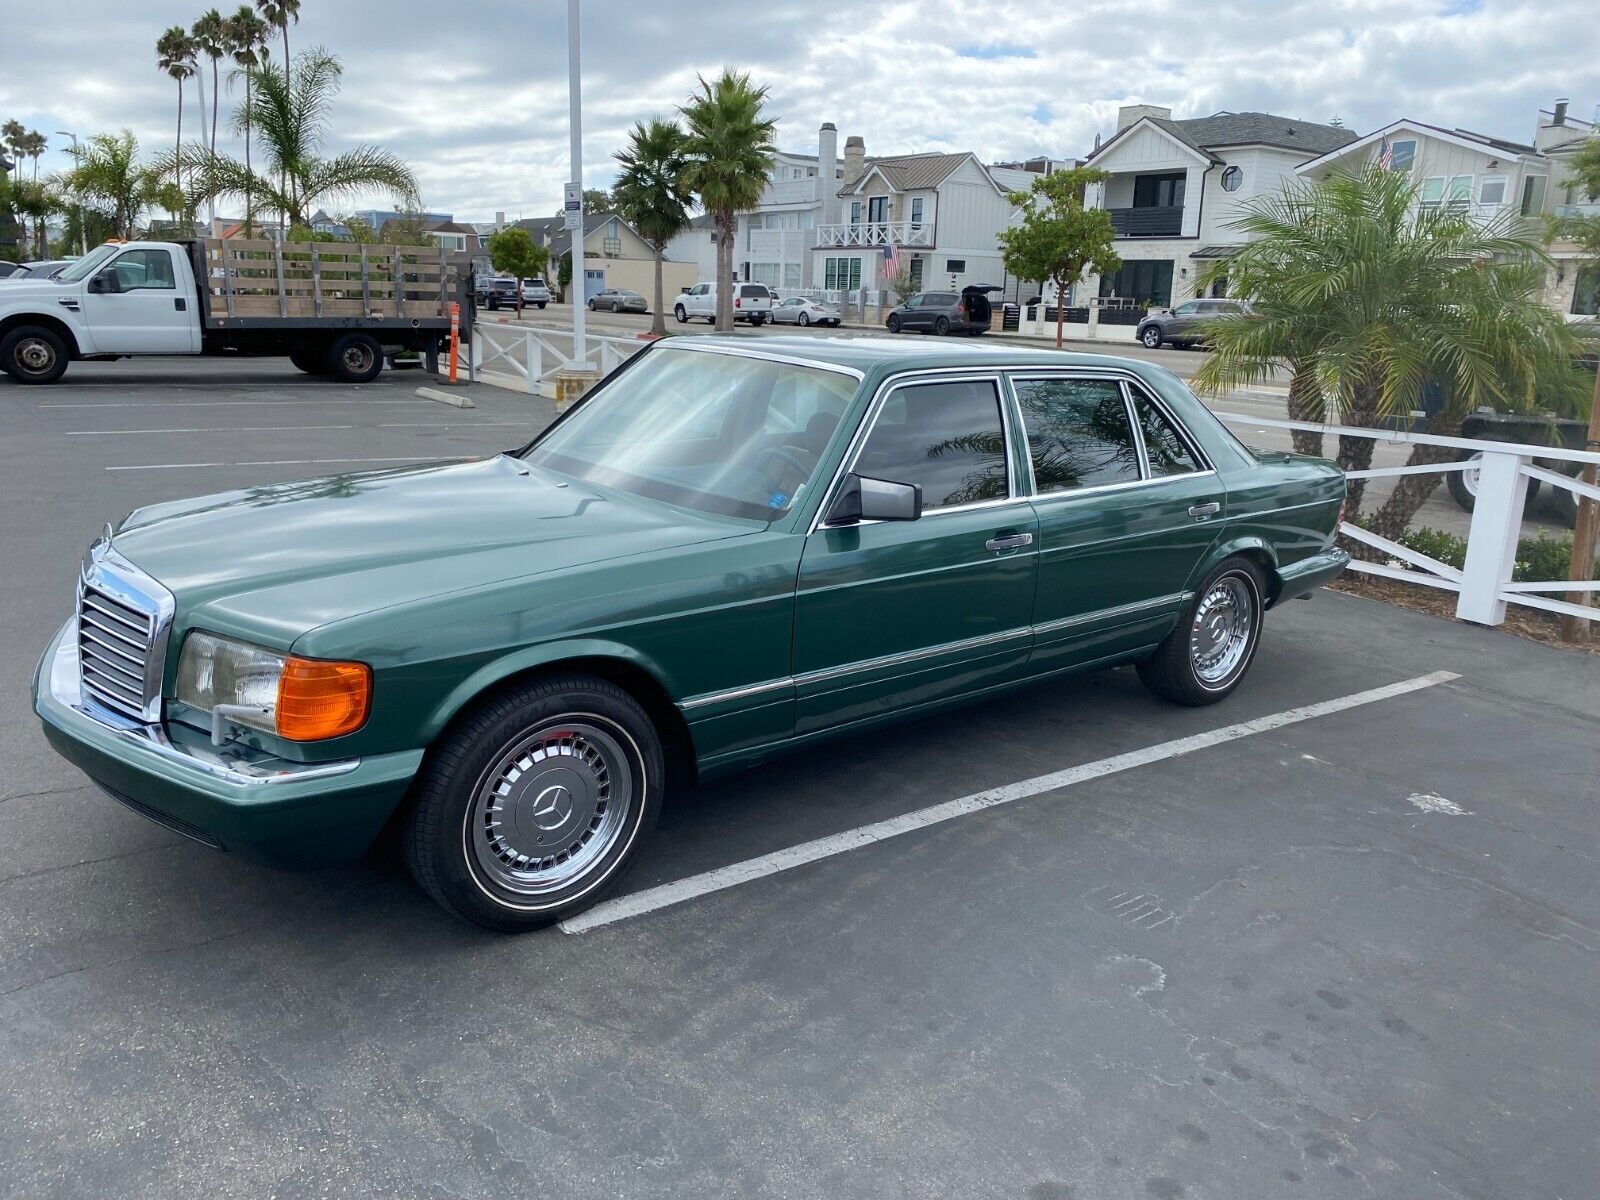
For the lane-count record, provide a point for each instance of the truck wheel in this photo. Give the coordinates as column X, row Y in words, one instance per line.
column 311, row 361
column 1463, row 486
column 33, row 354
column 355, row 358
column 680, row 314
column 532, row 806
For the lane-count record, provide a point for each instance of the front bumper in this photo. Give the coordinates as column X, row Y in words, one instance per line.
column 231, row 797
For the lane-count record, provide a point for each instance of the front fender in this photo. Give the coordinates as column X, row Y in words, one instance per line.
column 529, row 658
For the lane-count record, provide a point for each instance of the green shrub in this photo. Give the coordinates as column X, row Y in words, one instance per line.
column 1543, row 556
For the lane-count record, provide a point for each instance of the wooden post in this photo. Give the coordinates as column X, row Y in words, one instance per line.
column 283, row 296
column 366, row 284
column 1585, row 530
column 399, row 284
column 227, row 277
column 316, row 283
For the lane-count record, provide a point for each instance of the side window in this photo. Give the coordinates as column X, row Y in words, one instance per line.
column 1078, row 433
column 1164, row 447
column 946, row 437
column 139, row 269
column 1191, row 309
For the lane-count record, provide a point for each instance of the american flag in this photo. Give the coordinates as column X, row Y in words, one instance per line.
column 891, row 260
column 1385, row 155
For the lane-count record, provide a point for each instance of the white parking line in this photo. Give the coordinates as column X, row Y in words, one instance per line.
column 222, row 403
column 722, row 878
column 285, row 462
column 294, row 428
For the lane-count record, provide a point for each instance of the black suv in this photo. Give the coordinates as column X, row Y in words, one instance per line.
column 1182, row 325
column 498, row 293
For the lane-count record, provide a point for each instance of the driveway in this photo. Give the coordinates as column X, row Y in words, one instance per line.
column 1334, row 937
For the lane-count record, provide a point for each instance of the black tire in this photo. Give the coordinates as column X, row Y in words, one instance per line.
column 443, row 847
column 1173, row 673
column 680, row 314
column 591, row 306
column 355, row 358
column 802, row 319
column 542, row 303
column 1460, row 488
column 1151, row 337
column 312, row 360
column 33, row 354
column 941, row 326
column 893, row 323
column 493, row 305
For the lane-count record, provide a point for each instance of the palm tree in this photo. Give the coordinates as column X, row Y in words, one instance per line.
column 247, row 39
column 108, row 170
column 175, row 56
column 278, row 14
column 728, row 148
column 210, row 34
column 291, row 121
column 1368, row 296
column 652, row 195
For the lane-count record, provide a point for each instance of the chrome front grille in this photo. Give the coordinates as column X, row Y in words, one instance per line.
column 114, row 643
column 124, row 617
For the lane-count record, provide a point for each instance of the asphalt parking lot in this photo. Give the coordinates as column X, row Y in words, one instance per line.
column 1335, row 937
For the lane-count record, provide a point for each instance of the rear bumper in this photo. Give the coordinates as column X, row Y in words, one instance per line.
column 234, row 798
column 1304, row 577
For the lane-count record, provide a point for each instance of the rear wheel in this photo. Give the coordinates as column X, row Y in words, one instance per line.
column 1207, row 654
column 1463, row 485
column 534, row 804
column 33, row 354
column 802, row 319
column 355, row 358
column 942, row 326
column 893, row 323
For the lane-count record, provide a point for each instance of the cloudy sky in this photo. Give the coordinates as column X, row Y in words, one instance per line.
column 474, row 93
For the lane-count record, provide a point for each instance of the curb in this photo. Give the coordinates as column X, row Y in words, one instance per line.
column 454, row 399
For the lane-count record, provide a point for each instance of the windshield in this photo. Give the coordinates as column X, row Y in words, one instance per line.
column 85, row 266
column 723, row 433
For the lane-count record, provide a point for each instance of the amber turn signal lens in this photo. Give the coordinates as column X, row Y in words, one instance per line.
column 319, row 699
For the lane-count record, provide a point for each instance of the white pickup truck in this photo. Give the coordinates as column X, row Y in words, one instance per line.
column 334, row 309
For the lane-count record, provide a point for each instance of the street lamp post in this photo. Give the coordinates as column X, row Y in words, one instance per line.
column 575, row 236
column 78, row 208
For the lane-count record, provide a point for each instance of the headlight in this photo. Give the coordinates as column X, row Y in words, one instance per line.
column 301, row 699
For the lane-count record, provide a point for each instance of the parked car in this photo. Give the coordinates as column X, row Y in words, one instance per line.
column 723, row 553
column 535, row 291
column 499, row 293
column 1530, row 429
column 8, row 268
column 36, row 272
column 618, row 300
column 797, row 310
column 752, row 302
column 967, row 311
column 1183, row 325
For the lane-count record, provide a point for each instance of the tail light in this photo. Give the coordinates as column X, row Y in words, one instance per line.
column 961, row 310
column 737, row 303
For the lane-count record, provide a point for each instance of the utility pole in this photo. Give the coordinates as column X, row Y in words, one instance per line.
column 1585, row 529
column 77, row 205
column 575, row 234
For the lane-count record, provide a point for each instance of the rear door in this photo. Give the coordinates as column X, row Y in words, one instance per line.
column 1127, row 508
column 146, row 306
column 890, row 614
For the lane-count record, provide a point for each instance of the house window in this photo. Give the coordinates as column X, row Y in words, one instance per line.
column 1586, row 292
column 855, row 212
column 956, row 266
column 916, row 212
column 1432, row 191
column 1159, row 191
column 841, row 274
column 1402, row 154
column 1533, row 195
column 1492, row 192
column 1147, row 282
column 1459, row 195
column 916, row 272
column 1231, row 179
column 611, row 247
column 878, row 209
column 791, row 275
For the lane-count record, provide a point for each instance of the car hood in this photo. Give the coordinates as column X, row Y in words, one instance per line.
column 20, row 291
column 273, row 562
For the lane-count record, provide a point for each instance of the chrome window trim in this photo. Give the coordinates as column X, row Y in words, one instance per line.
column 792, row 360
column 911, row 378
column 1128, row 415
column 1126, row 485
column 1120, row 610
column 1132, row 386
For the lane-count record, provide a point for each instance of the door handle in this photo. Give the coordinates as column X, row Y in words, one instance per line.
column 180, row 304
column 1008, row 541
column 1209, row 509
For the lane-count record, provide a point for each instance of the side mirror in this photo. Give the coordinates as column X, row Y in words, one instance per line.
column 866, row 499
column 106, row 281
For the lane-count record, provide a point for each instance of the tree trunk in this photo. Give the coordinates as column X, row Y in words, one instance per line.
column 1412, row 491
column 724, row 323
column 1355, row 454
column 215, row 88
column 658, row 323
column 177, row 145
column 249, row 173
column 1305, row 404
column 1061, row 310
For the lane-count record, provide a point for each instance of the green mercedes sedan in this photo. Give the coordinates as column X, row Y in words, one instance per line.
column 730, row 549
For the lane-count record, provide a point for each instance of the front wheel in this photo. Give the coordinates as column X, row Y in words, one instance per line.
column 355, row 358
column 1151, row 337
column 680, row 314
column 533, row 805
column 1203, row 659
column 33, row 354
column 542, row 303
column 893, row 323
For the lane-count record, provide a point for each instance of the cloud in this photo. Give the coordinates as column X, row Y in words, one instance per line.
column 475, row 95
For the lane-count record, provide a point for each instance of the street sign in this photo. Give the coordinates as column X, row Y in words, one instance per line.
column 571, row 219
column 574, row 197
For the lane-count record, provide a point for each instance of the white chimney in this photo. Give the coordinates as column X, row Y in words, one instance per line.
column 827, row 166
column 499, row 220
column 1131, row 114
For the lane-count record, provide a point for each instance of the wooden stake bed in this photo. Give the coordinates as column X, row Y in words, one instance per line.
column 257, row 282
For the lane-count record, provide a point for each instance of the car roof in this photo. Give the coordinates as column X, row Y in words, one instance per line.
column 869, row 353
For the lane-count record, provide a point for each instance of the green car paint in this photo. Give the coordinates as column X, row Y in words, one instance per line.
column 744, row 638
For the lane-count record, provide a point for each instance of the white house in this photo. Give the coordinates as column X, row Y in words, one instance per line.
column 1488, row 177
column 1176, row 185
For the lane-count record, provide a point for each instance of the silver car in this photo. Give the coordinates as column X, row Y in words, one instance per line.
column 618, row 300
column 797, row 310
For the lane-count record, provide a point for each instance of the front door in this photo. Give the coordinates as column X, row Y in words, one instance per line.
column 146, row 312
column 895, row 613
column 1127, row 509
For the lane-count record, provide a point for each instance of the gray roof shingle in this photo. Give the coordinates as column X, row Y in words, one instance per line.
column 911, row 172
column 1223, row 129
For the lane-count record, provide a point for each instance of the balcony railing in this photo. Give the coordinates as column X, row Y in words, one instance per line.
column 1592, row 209
column 1155, row 221
column 876, row 233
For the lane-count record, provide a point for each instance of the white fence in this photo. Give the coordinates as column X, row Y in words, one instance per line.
column 533, row 355
column 1483, row 585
